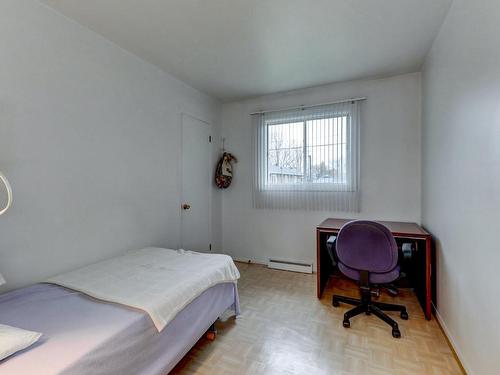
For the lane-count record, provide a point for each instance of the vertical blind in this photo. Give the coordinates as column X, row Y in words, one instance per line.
column 307, row 158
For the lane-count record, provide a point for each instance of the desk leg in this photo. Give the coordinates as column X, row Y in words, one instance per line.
column 319, row 287
column 323, row 263
column 428, row 278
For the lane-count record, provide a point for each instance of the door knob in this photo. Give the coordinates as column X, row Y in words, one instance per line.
column 186, row 206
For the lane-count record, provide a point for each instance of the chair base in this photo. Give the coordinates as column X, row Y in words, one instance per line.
column 367, row 306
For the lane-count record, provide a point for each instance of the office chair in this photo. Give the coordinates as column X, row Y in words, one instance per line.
column 389, row 288
column 368, row 253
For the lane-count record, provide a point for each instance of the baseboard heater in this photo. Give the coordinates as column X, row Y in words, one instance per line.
column 287, row 265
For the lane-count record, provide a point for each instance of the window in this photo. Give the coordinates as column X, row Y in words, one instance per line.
column 311, row 154
column 307, row 158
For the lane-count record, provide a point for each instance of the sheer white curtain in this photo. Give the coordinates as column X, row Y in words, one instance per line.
column 307, row 158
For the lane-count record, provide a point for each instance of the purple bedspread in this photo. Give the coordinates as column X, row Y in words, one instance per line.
column 82, row 335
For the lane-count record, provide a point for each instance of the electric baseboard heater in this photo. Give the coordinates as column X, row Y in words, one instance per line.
column 287, row 265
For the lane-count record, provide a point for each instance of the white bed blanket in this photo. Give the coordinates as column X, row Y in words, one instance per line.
column 159, row 281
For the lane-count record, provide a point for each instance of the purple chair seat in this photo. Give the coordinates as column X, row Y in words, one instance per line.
column 374, row 278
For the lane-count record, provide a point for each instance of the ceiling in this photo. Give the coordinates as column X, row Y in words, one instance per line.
column 232, row 49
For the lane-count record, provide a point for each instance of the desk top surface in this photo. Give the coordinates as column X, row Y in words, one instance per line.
column 396, row 227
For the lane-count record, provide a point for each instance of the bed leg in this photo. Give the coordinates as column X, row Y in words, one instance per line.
column 211, row 333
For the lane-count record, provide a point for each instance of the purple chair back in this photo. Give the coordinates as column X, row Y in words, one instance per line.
column 367, row 246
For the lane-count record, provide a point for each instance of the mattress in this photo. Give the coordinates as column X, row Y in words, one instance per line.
column 159, row 281
column 82, row 335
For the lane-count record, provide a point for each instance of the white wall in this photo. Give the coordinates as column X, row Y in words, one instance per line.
column 461, row 179
column 390, row 167
column 89, row 138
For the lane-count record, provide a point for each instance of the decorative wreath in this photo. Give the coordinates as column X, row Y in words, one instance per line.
column 224, row 171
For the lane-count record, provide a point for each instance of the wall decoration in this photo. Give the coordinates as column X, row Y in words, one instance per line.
column 224, row 170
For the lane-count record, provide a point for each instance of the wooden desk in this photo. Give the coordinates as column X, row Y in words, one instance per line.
column 410, row 231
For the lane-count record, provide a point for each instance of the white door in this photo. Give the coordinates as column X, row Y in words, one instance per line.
column 196, row 172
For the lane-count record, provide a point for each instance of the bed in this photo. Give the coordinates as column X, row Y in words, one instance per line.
column 85, row 335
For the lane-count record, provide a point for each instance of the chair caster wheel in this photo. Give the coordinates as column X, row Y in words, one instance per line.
column 335, row 303
column 404, row 315
column 396, row 333
column 346, row 324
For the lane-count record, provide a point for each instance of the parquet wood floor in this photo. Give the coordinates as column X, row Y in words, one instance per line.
column 285, row 329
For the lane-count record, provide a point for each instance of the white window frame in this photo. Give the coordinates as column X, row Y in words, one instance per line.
column 329, row 196
column 349, row 185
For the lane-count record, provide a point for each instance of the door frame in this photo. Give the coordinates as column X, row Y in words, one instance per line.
column 181, row 177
